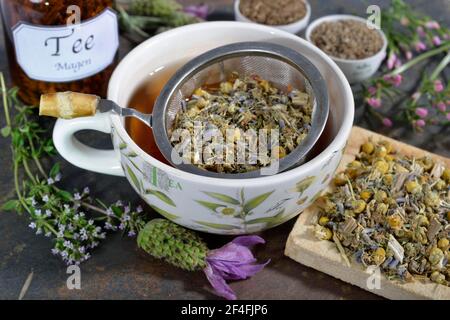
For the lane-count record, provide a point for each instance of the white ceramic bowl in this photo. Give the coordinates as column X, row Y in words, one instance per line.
column 224, row 206
column 294, row 27
column 354, row 70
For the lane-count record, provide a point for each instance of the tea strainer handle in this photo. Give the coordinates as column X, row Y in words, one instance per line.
column 70, row 105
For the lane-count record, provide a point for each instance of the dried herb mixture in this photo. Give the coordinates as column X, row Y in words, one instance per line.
column 243, row 105
column 271, row 12
column 347, row 39
column 391, row 211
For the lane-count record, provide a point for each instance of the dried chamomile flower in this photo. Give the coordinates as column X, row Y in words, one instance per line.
column 322, row 233
column 392, row 211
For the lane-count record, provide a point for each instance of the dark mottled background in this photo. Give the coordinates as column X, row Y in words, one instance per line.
column 118, row 270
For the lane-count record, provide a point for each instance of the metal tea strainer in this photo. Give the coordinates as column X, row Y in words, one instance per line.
column 281, row 66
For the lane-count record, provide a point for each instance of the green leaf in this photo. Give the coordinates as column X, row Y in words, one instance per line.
column 222, row 197
column 55, row 170
column 11, row 205
column 217, row 225
column 6, row 131
column 135, row 165
column 117, row 211
column 133, row 178
column 255, row 202
column 269, row 220
column 122, row 145
column 210, row 205
column 164, row 213
column 304, row 184
column 66, row 196
column 161, row 196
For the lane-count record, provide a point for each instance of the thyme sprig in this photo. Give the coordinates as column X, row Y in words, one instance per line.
column 76, row 221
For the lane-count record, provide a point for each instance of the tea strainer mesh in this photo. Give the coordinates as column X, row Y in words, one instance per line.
column 281, row 66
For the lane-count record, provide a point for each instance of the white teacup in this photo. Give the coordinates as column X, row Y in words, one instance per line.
column 223, row 206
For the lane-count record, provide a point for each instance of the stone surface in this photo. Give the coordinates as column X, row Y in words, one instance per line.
column 119, row 270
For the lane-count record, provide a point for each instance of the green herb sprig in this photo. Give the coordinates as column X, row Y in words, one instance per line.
column 413, row 39
column 75, row 220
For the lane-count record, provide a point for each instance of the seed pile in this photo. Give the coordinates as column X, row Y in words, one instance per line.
column 347, row 39
column 392, row 212
column 279, row 12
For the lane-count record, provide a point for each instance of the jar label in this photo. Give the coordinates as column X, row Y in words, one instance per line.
column 67, row 53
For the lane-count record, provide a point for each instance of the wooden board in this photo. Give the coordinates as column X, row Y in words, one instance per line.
column 303, row 246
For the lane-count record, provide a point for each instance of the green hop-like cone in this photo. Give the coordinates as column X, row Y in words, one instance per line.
column 176, row 245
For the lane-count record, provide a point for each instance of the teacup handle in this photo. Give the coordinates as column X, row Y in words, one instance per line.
column 81, row 155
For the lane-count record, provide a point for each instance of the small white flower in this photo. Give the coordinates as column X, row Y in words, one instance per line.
column 48, row 213
column 87, row 256
column 122, row 226
column 86, row 190
column 82, row 249
column 50, row 181
column 119, row 203
column 33, row 202
column 39, row 231
column 55, row 251
column 67, row 244
column 76, row 217
column 64, row 254
column 102, row 235
column 109, row 212
column 76, row 236
column 131, row 233
column 58, row 177
column 48, row 234
column 45, row 198
column 91, row 222
column 93, row 245
column 126, row 218
column 84, row 237
column 126, row 209
column 60, row 234
column 77, row 196
column 32, row 225
column 82, row 214
column 139, row 209
column 61, row 227
column 38, row 212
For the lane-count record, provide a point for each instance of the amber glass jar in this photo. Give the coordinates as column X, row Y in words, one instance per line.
column 60, row 45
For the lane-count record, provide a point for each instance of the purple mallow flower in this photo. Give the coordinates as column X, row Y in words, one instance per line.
column 408, row 55
column 420, row 46
column 441, row 106
column 437, row 41
column 420, row 123
column 374, row 102
column 421, row 32
column 199, row 11
column 391, row 60
column 394, row 80
column 422, row 112
column 432, row 25
column 438, row 86
column 387, row 122
column 234, row 261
